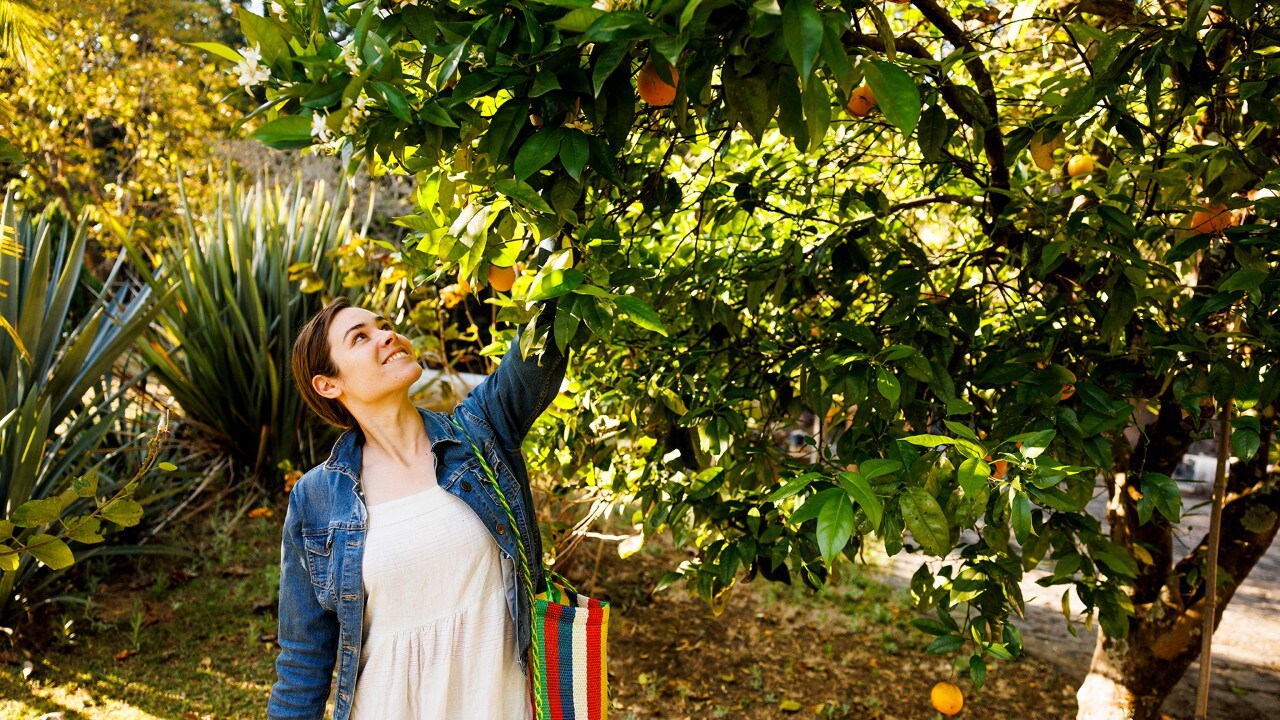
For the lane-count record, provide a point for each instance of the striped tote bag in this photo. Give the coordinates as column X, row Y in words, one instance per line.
column 568, row 676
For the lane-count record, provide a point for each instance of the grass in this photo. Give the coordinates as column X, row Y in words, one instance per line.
column 171, row 638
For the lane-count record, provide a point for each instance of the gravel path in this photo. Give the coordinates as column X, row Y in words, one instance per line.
column 1246, row 651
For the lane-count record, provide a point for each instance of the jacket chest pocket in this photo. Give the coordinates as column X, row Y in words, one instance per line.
column 319, row 547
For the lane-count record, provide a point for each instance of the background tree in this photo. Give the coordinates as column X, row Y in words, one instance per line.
column 111, row 109
column 980, row 330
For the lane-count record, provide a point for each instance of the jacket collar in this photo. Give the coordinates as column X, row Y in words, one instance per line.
column 347, row 456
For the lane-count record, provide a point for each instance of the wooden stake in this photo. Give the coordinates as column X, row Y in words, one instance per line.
column 1211, row 581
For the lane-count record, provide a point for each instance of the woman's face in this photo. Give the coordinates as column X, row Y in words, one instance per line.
column 373, row 360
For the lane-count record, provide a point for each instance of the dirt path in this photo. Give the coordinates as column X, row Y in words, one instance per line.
column 1246, row 654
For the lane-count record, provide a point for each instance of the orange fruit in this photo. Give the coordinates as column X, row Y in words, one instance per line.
column 1212, row 219
column 463, row 287
column 1067, row 392
column 947, row 698
column 1080, row 165
column 653, row 89
column 501, row 278
column 861, row 100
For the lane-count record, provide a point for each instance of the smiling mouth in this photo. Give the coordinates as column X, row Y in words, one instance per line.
column 395, row 355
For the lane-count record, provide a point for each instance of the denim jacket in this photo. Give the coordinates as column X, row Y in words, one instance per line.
column 321, row 586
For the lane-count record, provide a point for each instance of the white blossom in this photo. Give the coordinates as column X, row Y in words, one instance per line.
column 250, row 68
column 251, row 56
column 351, row 58
column 278, row 10
column 320, row 127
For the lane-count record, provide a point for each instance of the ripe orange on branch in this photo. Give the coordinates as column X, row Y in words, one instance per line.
column 653, row 89
column 861, row 100
column 947, row 698
column 1080, row 165
column 501, row 278
column 1212, row 219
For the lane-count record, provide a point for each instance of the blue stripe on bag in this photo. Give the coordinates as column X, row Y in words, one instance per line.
column 566, row 661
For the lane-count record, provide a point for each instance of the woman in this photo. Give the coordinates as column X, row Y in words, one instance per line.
column 396, row 560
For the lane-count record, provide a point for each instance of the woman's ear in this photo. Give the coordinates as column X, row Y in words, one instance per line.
column 326, row 387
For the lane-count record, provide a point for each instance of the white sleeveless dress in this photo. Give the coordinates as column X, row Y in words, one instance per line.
column 438, row 638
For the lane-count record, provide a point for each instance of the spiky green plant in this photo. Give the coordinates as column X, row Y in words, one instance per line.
column 60, row 393
column 222, row 349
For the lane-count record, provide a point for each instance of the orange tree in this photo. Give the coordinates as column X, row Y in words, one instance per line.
column 983, row 329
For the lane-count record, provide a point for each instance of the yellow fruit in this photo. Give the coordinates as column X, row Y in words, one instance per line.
column 947, row 698
column 1080, row 165
column 1212, row 219
column 653, row 89
column 501, row 278
column 861, row 100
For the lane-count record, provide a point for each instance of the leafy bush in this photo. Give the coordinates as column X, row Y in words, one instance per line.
column 60, row 395
column 222, row 349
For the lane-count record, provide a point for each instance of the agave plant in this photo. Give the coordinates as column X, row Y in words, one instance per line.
column 60, row 393
column 222, row 349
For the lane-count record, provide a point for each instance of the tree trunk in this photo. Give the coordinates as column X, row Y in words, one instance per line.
column 1129, row 678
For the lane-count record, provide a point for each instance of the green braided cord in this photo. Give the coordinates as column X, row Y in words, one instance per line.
column 535, row 649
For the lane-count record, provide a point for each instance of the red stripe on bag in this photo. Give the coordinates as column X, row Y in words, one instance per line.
column 551, row 644
column 593, row 661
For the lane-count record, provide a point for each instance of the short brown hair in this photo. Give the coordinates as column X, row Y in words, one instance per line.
column 312, row 356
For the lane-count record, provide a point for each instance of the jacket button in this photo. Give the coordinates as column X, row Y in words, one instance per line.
column 466, row 486
column 502, row 529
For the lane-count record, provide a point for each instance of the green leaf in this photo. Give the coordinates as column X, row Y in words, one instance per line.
column 973, row 474
column 931, row 626
column 6, row 529
column 574, row 151
column 51, row 551
column 802, row 33
column 1115, row 557
column 218, row 49
column 924, row 518
column 1245, row 443
column 123, row 512
column 792, row 486
column 85, row 530
column 436, row 115
column 167, row 467
column 8, row 558
column 1020, row 516
column 544, row 82
column 555, row 283
column 33, row 513
column 835, row 525
column 813, row 506
column 285, row 132
column 860, row 491
column 877, row 467
column 577, row 21
column 639, row 312
column 945, row 644
column 888, row 385
column 895, row 92
column 504, row 128
column 9, row 153
column 396, row 101
column 522, row 193
column 977, row 672
column 1164, row 493
column 262, row 32
column 540, row 149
